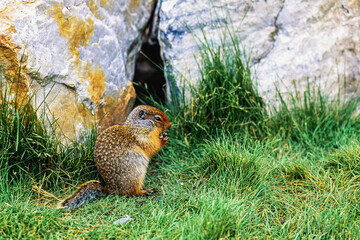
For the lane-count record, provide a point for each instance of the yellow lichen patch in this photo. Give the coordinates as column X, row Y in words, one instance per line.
column 97, row 83
column 83, row 111
column 79, row 33
column 104, row 3
column 12, row 29
column 63, row 109
column 16, row 77
column 116, row 108
column 8, row 58
column 134, row 4
column 73, row 28
column 67, row 112
column 94, row 8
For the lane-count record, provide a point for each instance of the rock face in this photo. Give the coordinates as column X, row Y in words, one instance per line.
column 290, row 40
column 77, row 57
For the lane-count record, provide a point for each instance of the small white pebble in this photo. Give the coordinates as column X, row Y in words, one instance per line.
column 123, row 220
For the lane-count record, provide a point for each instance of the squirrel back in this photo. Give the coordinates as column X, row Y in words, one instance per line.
column 122, row 153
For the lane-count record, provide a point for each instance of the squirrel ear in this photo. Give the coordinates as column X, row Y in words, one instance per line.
column 142, row 114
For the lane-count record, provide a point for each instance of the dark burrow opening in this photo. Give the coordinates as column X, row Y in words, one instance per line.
column 149, row 79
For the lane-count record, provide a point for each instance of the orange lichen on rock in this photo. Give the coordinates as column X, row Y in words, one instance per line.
column 94, row 8
column 97, row 83
column 79, row 33
column 65, row 111
column 134, row 4
column 73, row 28
column 8, row 56
column 8, row 50
column 83, row 111
column 104, row 3
column 16, row 77
column 116, row 108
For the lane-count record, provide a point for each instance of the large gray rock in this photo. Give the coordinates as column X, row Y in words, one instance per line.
column 290, row 40
column 77, row 56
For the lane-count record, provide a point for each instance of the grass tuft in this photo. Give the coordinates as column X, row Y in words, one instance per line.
column 346, row 159
column 314, row 119
column 234, row 164
column 225, row 96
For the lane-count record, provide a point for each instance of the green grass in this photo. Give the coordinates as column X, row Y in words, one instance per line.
column 315, row 120
column 230, row 170
column 221, row 189
column 225, row 96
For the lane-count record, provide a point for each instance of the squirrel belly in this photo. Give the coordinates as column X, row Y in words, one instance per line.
column 122, row 154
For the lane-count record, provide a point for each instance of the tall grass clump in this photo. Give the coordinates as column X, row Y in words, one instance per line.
column 30, row 151
column 314, row 119
column 225, row 97
column 24, row 139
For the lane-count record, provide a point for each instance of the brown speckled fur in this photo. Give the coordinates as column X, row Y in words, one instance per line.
column 122, row 153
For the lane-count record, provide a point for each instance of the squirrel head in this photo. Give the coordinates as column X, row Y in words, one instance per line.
column 148, row 116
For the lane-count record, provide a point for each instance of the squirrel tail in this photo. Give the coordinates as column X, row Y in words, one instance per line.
column 83, row 194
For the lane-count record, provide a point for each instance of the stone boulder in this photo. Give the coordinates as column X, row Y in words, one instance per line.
column 77, row 57
column 290, row 41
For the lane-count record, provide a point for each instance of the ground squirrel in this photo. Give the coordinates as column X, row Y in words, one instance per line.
column 122, row 153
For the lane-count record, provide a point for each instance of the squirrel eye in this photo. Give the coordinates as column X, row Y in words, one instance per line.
column 157, row 118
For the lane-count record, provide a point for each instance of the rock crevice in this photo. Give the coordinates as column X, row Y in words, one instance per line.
column 273, row 36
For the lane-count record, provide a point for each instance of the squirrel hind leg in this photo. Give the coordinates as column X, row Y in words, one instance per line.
column 146, row 192
column 83, row 194
column 137, row 187
column 137, row 191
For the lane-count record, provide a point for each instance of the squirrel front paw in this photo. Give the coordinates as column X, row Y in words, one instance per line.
column 164, row 137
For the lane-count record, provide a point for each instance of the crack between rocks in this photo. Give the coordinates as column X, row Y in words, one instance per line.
column 72, row 88
column 50, row 78
column 273, row 37
column 145, row 33
column 148, row 62
column 149, row 33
